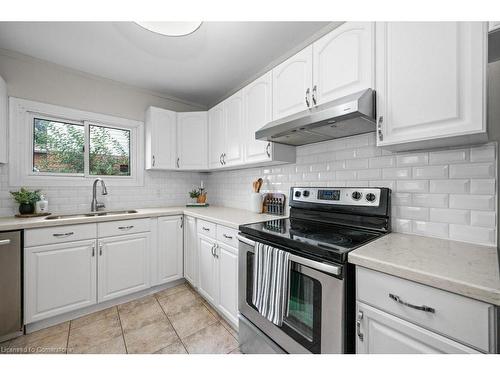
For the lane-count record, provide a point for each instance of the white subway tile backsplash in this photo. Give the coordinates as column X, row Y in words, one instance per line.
column 369, row 174
column 417, row 186
column 414, row 213
column 401, row 225
column 483, row 219
column 473, row 202
column 482, row 186
column 472, row 234
column 412, row 159
column 430, row 172
column 356, row 164
column 448, row 156
column 426, row 228
column 430, row 200
column 486, row 153
column 345, row 175
column 449, row 186
column 401, row 199
column 396, row 173
column 472, row 170
column 383, row 162
column 450, row 216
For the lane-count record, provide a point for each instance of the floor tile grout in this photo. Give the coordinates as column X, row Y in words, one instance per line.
column 121, row 327
column 67, row 340
column 166, row 316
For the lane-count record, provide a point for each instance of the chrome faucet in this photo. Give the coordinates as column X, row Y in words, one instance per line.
column 95, row 205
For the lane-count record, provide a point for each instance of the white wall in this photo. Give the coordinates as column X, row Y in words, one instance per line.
column 443, row 193
column 33, row 79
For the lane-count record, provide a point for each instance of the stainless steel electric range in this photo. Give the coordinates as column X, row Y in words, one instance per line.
column 323, row 226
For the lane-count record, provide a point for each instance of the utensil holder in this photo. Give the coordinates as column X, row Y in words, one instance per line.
column 256, row 202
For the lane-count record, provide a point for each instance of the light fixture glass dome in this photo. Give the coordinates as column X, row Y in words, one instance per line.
column 171, row 28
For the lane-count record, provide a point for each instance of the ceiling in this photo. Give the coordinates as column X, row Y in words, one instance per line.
column 200, row 68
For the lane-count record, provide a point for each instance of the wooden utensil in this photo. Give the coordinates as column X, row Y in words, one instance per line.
column 259, row 184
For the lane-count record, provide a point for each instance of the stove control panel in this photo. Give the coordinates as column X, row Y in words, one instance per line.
column 338, row 196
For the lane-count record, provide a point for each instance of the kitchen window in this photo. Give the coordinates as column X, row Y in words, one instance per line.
column 52, row 146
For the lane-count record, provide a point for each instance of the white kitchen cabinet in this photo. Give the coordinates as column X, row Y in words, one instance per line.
column 192, row 140
column 227, row 282
column 161, row 138
column 3, row 121
column 59, row 278
column 216, row 136
column 292, row 81
column 190, row 251
column 169, row 245
column 123, row 265
column 207, row 279
column 430, row 82
column 343, row 62
column 382, row 333
column 233, row 130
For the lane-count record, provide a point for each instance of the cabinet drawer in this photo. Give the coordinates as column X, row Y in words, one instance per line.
column 60, row 234
column 207, row 228
column 460, row 318
column 227, row 235
column 117, row 228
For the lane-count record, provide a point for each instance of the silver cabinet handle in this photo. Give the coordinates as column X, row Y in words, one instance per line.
column 308, row 91
column 178, row 159
column 153, row 160
column 63, row 234
column 224, row 158
column 360, row 335
column 228, row 237
column 380, row 119
column 421, row 308
column 212, row 250
column 4, row 242
column 126, row 228
column 205, row 229
column 93, row 249
column 100, row 248
column 182, row 222
column 314, row 94
column 215, row 251
column 268, row 148
column 220, row 160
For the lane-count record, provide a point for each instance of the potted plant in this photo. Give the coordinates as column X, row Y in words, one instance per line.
column 199, row 195
column 26, row 199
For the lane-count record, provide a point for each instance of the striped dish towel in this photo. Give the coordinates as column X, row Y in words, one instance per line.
column 270, row 282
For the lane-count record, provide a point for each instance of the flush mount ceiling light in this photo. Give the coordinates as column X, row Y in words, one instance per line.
column 170, row 28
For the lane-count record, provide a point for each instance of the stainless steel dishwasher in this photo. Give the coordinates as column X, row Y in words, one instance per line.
column 11, row 324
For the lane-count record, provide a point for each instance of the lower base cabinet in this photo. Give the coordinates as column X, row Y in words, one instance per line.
column 123, row 265
column 170, row 243
column 382, row 333
column 190, row 253
column 59, row 278
column 227, row 262
column 207, row 280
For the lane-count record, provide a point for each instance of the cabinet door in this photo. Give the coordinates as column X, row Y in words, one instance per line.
column 3, row 121
column 123, row 265
column 161, row 139
column 190, row 251
column 59, row 278
column 257, row 105
column 216, row 140
column 233, row 125
column 170, row 248
column 343, row 61
column 430, row 82
column 192, row 140
column 227, row 281
column 207, row 268
column 383, row 333
column 292, row 81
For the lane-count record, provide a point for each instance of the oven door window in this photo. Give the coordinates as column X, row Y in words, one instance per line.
column 303, row 316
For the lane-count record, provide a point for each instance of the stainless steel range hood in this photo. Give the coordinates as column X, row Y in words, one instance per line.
column 350, row 115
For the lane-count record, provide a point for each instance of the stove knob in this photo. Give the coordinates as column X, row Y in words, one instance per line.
column 370, row 197
column 297, row 194
column 356, row 195
column 306, row 193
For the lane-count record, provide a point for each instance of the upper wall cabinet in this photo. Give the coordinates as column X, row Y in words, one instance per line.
column 292, row 81
column 343, row 62
column 431, row 87
column 216, row 140
column 3, row 121
column 233, row 124
column 161, row 139
column 257, row 107
column 192, row 140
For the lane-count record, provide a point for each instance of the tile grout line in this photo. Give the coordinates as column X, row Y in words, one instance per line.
column 121, row 328
column 67, row 340
column 166, row 316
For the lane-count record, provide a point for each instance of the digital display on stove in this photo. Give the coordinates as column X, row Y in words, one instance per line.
column 329, row 195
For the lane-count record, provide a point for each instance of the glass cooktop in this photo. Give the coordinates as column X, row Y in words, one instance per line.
column 327, row 241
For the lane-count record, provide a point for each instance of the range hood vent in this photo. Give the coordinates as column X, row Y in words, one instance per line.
column 344, row 117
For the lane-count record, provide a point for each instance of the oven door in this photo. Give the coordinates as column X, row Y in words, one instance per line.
column 313, row 321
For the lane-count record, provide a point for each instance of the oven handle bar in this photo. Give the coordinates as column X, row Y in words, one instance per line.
column 328, row 268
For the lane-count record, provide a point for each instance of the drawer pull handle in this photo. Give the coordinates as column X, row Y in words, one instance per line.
column 63, row 234
column 205, row 229
column 421, row 308
column 4, row 242
column 228, row 237
column 126, row 228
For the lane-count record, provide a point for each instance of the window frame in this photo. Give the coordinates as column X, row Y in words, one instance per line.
column 22, row 113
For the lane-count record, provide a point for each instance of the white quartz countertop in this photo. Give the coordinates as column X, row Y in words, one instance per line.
column 463, row 268
column 230, row 217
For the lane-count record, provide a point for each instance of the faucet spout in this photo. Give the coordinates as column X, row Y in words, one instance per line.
column 95, row 205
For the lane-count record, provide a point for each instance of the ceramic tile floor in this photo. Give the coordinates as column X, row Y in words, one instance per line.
column 173, row 321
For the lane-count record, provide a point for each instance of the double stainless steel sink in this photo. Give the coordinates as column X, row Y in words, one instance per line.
column 91, row 214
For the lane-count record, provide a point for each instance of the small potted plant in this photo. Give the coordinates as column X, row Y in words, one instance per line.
column 26, row 199
column 199, row 195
